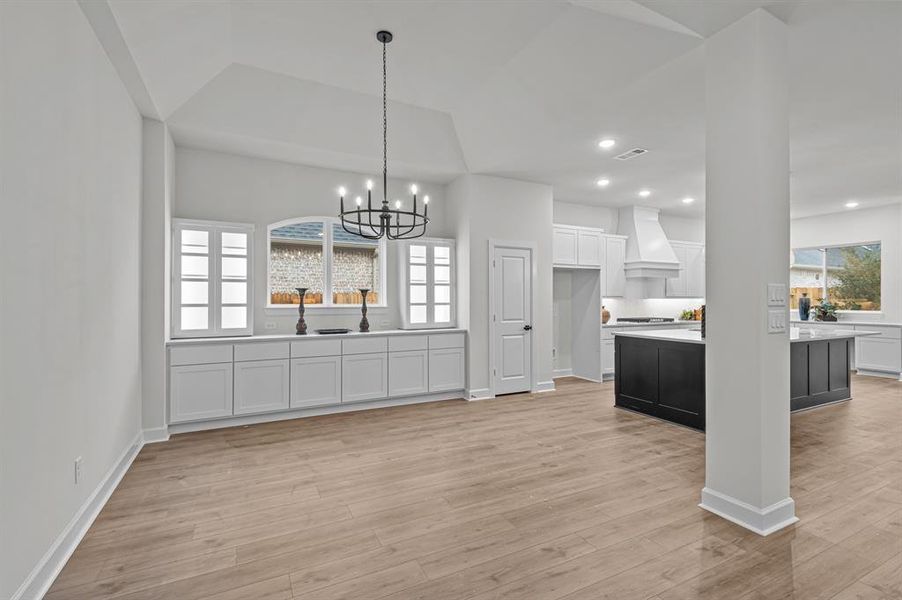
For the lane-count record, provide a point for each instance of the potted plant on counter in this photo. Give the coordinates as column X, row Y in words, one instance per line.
column 825, row 311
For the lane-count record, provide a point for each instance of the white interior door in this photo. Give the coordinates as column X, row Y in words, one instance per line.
column 512, row 315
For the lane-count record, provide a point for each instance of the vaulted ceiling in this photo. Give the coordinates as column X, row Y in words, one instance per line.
column 519, row 89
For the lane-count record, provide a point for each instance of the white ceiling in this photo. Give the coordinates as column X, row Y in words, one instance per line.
column 520, row 89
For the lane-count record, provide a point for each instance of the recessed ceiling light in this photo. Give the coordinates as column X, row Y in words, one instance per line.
column 645, row 193
column 851, row 204
column 603, row 182
column 688, row 200
column 606, row 143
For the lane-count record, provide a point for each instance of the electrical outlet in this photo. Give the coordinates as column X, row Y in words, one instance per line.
column 270, row 325
column 78, row 462
column 383, row 323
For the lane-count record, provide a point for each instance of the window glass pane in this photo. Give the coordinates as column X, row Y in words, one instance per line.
column 234, row 317
column 195, row 317
column 442, row 274
column 442, row 294
column 417, row 274
column 234, row 292
column 418, row 314
column 806, row 276
column 195, row 266
column 442, row 255
column 194, row 241
column 234, row 243
column 418, row 255
column 418, row 294
column 853, row 277
column 195, row 292
column 234, row 268
column 442, row 313
column 355, row 265
column 296, row 260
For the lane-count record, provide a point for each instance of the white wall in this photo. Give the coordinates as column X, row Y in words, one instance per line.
column 570, row 213
column 883, row 225
column 70, row 152
column 485, row 208
column 227, row 187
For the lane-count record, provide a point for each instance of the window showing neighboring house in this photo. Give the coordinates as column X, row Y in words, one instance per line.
column 848, row 276
column 211, row 278
column 318, row 254
column 427, row 284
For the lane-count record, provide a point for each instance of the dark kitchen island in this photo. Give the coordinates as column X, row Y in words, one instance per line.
column 662, row 373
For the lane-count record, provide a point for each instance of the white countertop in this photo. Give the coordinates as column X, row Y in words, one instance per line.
column 846, row 323
column 795, row 335
column 613, row 325
column 311, row 335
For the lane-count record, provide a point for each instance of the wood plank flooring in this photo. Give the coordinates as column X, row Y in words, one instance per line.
column 541, row 497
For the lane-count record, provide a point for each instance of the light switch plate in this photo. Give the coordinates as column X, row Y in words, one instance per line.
column 776, row 321
column 776, row 294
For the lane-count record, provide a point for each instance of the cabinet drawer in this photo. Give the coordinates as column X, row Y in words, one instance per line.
column 364, row 345
column 200, row 355
column 403, row 343
column 307, row 348
column 265, row 351
column 446, row 340
column 893, row 333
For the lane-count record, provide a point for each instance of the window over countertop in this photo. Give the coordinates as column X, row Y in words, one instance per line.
column 848, row 276
column 318, row 254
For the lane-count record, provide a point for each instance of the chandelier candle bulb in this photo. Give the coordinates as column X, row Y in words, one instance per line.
column 369, row 185
column 341, row 192
column 359, row 200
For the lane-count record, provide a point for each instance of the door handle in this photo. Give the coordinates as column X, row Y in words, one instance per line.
column 527, row 327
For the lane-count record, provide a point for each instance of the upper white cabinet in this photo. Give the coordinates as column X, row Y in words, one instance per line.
column 691, row 281
column 577, row 247
column 614, row 279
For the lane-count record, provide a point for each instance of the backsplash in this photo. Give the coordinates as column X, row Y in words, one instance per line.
column 652, row 307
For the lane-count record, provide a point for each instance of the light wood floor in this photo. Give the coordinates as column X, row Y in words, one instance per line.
column 556, row 495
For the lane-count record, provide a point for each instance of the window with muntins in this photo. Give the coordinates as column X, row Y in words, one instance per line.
column 427, row 284
column 848, row 276
column 211, row 279
column 316, row 253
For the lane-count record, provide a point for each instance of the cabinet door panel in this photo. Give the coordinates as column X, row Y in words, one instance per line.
column 408, row 373
column 564, row 250
column 261, row 386
column 589, row 251
column 364, row 377
column 199, row 392
column 614, row 275
column 607, row 357
column 878, row 354
column 315, row 381
column 446, row 370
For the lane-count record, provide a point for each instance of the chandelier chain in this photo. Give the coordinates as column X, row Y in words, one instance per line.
column 384, row 125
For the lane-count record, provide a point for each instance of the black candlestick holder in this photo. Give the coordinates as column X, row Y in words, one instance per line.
column 364, row 323
column 302, row 324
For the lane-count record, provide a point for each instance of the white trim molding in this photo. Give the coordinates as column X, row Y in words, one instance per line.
column 762, row 521
column 544, row 386
column 562, row 373
column 48, row 568
column 156, row 434
column 480, row 394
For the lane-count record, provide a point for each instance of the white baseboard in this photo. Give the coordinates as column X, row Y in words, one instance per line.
column 480, row 394
column 884, row 374
column 48, row 568
column 562, row 373
column 544, row 386
column 156, row 434
column 762, row 521
column 309, row 412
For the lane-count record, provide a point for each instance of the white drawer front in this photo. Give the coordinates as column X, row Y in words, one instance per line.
column 200, row 355
column 306, row 348
column 446, row 340
column 885, row 331
column 365, row 345
column 403, row 343
column 261, row 351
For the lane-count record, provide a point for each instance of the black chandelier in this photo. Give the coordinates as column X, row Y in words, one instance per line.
column 376, row 223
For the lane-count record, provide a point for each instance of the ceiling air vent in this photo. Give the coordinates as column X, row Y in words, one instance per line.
column 631, row 154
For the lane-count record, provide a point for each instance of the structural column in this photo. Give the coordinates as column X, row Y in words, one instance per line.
column 747, row 245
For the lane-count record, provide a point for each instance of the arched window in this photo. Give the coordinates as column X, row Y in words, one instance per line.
column 317, row 254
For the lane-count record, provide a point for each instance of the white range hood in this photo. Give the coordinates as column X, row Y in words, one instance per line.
column 649, row 254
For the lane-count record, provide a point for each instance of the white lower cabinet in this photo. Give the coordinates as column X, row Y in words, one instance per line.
column 315, row 381
column 878, row 354
column 364, row 377
column 607, row 358
column 446, row 369
column 261, row 386
column 408, row 373
column 198, row 392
